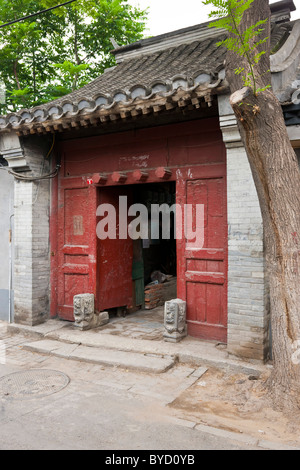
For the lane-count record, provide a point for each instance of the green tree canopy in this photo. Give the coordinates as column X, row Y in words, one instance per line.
column 49, row 56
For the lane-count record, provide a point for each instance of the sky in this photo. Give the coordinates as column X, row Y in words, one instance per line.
column 170, row 15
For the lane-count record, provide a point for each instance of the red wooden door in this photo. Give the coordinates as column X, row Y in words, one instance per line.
column 202, row 279
column 76, row 244
column 115, row 257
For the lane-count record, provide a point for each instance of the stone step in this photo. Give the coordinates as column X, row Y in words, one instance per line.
column 155, row 364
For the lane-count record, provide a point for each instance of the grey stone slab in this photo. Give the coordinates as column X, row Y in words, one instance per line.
column 43, row 329
column 47, row 346
column 109, row 357
column 127, row 360
column 198, row 373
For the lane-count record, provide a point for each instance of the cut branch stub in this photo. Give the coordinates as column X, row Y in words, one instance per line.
column 238, row 96
column 245, row 104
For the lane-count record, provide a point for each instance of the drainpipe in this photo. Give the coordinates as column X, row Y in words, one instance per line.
column 10, row 269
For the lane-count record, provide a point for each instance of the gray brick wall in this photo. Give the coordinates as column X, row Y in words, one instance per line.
column 31, row 243
column 248, row 300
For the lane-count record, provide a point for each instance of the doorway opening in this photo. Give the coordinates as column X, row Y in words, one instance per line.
column 137, row 276
column 158, row 251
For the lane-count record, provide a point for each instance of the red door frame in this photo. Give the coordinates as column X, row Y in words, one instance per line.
column 80, row 259
column 181, row 176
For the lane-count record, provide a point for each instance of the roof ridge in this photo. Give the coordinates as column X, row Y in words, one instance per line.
column 160, row 73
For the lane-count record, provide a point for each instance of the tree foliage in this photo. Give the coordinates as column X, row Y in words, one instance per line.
column 243, row 43
column 48, row 56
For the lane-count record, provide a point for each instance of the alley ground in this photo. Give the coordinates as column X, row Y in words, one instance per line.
column 51, row 401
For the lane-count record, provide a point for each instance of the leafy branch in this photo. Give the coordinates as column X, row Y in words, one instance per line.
column 243, row 43
column 49, row 56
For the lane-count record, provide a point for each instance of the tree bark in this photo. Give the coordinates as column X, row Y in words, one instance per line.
column 277, row 178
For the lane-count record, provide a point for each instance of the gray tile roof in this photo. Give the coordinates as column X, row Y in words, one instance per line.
column 189, row 60
column 190, row 68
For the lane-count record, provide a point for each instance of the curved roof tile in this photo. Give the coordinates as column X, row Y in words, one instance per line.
column 162, row 73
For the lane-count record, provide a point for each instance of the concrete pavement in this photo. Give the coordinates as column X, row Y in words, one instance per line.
column 119, row 394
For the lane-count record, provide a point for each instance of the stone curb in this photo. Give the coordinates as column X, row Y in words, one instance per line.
column 244, row 438
column 233, row 436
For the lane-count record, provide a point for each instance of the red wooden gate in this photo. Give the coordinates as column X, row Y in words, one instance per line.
column 202, row 273
column 76, row 243
column 115, row 257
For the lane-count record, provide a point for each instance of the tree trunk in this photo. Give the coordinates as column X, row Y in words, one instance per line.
column 277, row 178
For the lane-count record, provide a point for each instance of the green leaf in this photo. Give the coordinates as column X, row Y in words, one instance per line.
column 243, row 43
column 63, row 49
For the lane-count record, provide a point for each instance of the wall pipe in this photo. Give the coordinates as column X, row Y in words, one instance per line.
column 10, row 269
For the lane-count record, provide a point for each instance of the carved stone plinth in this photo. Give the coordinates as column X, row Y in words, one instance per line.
column 84, row 313
column 175, row 328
